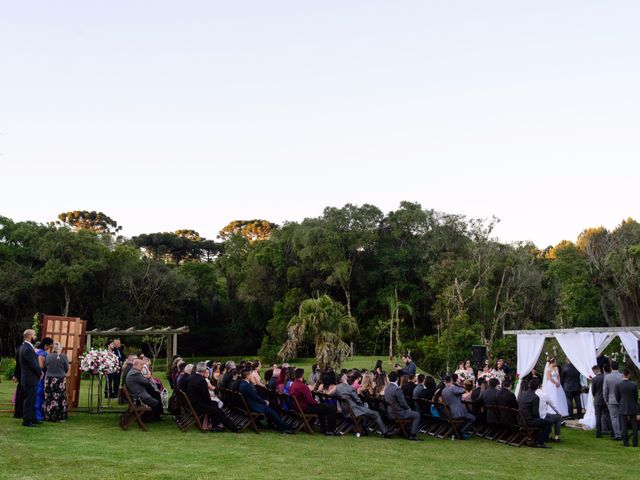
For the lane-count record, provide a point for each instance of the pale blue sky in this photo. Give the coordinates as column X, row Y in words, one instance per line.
column 170, row 115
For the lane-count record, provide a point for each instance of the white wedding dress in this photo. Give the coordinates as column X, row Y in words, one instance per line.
column 555, row 394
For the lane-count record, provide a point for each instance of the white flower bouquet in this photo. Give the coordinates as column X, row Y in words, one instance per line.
column 99, row 362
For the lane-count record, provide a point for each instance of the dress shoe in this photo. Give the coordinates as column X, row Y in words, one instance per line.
column 28, row 425
column 542, row 445
column 413, row 438
column 287, row 432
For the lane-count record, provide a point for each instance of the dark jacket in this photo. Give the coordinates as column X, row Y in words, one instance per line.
column 530, row 405
column 570, row 378
column 138, row 385
column 490, row 398
column 627, row 397
column 409, row 369
column 395, row 398
column 198, row 393
column 30, row 371
column 597, row 389
column 255, row 402
column 506, row 398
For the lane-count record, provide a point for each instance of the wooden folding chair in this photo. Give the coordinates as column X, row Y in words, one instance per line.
column 527, row 432
column 188, row 417
column 238, row 403
column 133, row 412
column 306, row 419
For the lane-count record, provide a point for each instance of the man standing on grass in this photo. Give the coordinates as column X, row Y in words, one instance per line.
column 627, row 396
column 30, row 375
column 609, row 392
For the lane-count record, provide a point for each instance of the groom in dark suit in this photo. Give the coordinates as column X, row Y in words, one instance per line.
column 627, row 396
column 30, row 374
column 570, row 378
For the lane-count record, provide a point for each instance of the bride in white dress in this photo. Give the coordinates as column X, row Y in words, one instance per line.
column 552, row 387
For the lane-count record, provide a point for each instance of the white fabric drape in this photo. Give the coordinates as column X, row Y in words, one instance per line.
column 580, row 347
column 630, row 342
column 529, row 347
column 602, row 341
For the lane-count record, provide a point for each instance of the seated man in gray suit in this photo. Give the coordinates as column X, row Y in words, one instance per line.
column 398, row 405
column 452, row 396
column 347, row 394
column 140, row 388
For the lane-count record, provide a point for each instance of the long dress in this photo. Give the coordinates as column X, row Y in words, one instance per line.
column 555, row 393
column 40, row 391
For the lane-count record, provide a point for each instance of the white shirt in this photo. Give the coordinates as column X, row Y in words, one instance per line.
column 545, row 403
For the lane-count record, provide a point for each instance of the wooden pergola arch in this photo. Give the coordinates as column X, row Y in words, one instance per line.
column 169, row 332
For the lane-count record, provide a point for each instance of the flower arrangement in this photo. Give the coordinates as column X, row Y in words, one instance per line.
column 99, row 362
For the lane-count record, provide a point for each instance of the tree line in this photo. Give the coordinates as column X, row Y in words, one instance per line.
column 414, row 279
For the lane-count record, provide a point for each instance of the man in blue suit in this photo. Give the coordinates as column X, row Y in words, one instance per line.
column 30, row 374
column 259, row 405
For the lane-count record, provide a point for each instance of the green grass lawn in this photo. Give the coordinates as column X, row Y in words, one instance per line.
column 92, row 446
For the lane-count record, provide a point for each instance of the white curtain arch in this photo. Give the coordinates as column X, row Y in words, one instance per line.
column 580, row 347
column 529, row 347
column 602, row 341
column 630, row 342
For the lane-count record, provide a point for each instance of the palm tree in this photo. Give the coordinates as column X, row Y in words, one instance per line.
column 325, row 322
column 395, row 305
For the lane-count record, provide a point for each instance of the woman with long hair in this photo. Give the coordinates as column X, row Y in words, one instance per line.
column 381, row 384
column 552, row 387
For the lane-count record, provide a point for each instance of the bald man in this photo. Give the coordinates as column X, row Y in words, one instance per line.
column 142, row 389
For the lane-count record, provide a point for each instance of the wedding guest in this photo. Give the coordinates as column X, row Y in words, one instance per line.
column 315, row 374
column 601, row 360
column 377, row 370
column 468, row 390
column 113, row 379
column 429, row 389
column 254, row 377
column 547, row 406
column 609, row 392
column 367, row 387
column 17, row 396
column 451, row 395
column 354, row 379
column 409, row 366
column 198, row 394
column 290, row 377
column 326, row 413
column 407, row 385
column 273, row 382
column 346, row 393
column 394, row 396
column 570, row 379
column 418, row 388
column 506, row 398
column 128, row 364
column 30, row 374
column 173, row 372
column 498, row 371
column 504, row 366
column 183, row 379
column 328, row 382
column 489, row 399
column 227, row 378
column 530, row 410
column 381, row 384
column 600, row 406
column 626, row 393
column 257, row 404
column 44, row 349
column 55, row 387
column 142, row 389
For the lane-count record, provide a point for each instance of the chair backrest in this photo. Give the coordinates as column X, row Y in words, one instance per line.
column 127, row 396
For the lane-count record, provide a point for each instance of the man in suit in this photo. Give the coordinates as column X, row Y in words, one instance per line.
column 142, row 389
column 198, row 393
column 506, row 398
column 489, row 399
column 398, row 406
column 609, row 392
column 347, row 394
column 570, row 379
column 452, row 396
column 258, row 404
column 113, row 379
column 530, row 411
column 326, row 413
column 626, row 394
column 30, row 375
column 600, row 406
column 409, row 366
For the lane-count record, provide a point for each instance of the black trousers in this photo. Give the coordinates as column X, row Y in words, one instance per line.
column 603, row 423
column 29, row 403
column 112, row 385
column 326, row 415
column 156, row 408
column 275, row 419
column 544, row 427
column 624, row 423
column 571, row 397
column 218, row 416
column 19, row 399
column 556, row 421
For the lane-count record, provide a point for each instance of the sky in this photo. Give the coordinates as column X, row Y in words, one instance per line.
column 169, row 115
